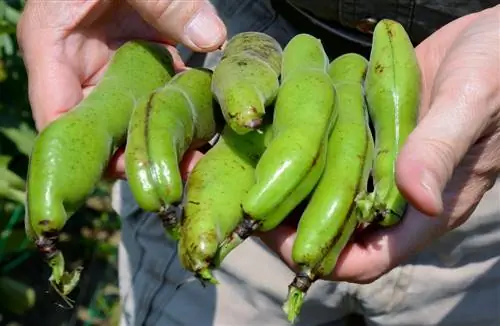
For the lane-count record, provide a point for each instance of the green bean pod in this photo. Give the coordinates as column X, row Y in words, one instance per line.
column 70, row 155
column 296, row 293
column 303, row 117
column 214, row 190
column 277, row 216
column 246, row 80
column 328, row 216
column 392, row 86
column 162, row 128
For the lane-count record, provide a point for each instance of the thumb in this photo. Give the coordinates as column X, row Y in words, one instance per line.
column 463, row 100
column 193, row 23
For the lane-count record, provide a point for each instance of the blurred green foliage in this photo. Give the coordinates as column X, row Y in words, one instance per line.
column 91, row 235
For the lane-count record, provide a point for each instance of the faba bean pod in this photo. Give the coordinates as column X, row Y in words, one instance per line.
column 392, row 89
column 330, row 213
column 246, row 80
column 301, row 284
column 212, row 204
column 70, row 155
column 303, row 117
column 163, row 126
column 277, row 216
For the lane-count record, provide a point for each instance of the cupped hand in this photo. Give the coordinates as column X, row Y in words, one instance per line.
column 66, row 45
column 450, row 160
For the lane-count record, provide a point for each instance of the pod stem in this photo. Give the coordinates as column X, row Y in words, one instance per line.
column 297, row 291
column 205, row 276
column 171, row 222
column 372, row 210
column 365, row 204
column 244, row 230
column 62, row 281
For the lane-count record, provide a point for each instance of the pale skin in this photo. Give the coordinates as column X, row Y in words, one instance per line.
column 448, row 163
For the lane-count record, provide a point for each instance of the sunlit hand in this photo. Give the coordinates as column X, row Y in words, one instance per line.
column 450, row 160
column 67, row 44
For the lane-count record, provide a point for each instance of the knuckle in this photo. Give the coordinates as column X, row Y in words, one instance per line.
column 182, row 10
column 484, row 157
column 441, row 154
column 160, row 9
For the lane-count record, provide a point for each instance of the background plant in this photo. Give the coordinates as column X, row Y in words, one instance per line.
column 90, row 237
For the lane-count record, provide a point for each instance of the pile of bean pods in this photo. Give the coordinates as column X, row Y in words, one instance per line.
column 293, row 128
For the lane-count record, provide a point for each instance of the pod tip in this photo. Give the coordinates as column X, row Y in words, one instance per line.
column 254, row 123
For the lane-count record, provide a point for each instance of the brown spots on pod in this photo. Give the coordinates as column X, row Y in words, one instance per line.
column 255, row 44
column 252, row 123
column 241, row 63
column 379, row 68
column 383, row 152
column 390, row 27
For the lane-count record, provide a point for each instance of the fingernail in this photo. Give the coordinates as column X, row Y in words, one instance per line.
column 205, row 28
column 429, row 183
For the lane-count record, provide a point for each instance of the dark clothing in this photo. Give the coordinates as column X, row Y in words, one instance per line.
column 419, row 17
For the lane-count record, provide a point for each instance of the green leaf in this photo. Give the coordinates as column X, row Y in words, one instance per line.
column 23, row 136
column 8, row 45
column 12, row 15
column 15, row 241
column 4, row 161
column 17, row 297
column 3, row 72
column 8, row 176
column 13, row 180
column 6, row 28
column 7, row 191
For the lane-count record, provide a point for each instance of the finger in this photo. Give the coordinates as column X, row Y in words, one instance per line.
column 192, row 23
column 363, row 262
column 53, row 87
column 188, row 162
column 116, row 166
column 465, row 96
column 280, row 240
column 380, row 251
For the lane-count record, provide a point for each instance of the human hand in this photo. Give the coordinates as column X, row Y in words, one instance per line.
column 67, row 45
column 450, row 160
